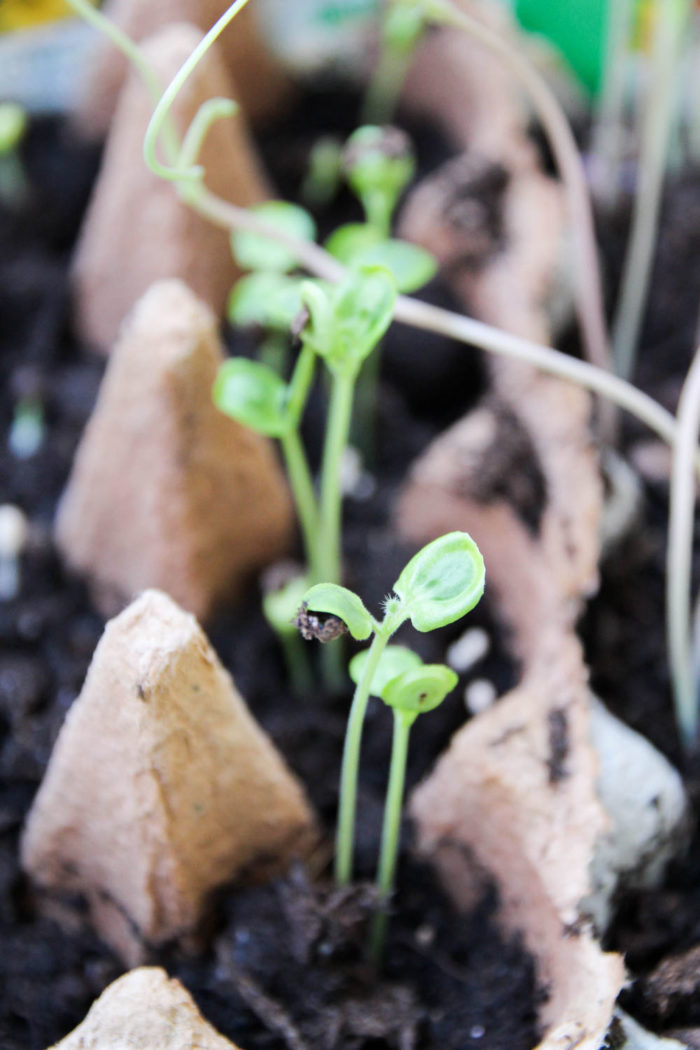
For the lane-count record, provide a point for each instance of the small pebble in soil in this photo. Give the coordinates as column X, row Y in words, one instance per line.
column 469, row 648
column 479, row 695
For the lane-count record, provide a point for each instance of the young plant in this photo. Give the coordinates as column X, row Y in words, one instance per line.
column 13, row 181
column 439, row 585
column 410, row 688
column 346, row 323
column 253, row 394
column 378, row 163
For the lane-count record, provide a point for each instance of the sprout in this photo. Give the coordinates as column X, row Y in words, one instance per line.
column 410, row 688
column 440, row 584
column 378, row 164
column 13, row 537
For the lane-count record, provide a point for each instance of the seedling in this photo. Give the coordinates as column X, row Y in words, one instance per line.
column 13, row 126
column 378, row 164
column 439, row 585
column 410, row 688
column 342, row 324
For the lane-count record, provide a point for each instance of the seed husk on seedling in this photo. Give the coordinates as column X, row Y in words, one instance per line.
column 439, row 585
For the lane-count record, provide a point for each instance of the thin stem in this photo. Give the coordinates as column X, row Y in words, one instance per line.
column 125, row 44
column 208, row 113
column 379, row 208
column 160, row 114
column 588, row 285
column 300, row 383
column 464, row 329
column 609, row 129
column 337, row 432
column 345, row 835
column 135, row 56
column 385, row 86
column 679, row 558
column 476, row 333
column 391, row 830
column 297, row 464
column 669, row 22
column 304, row 499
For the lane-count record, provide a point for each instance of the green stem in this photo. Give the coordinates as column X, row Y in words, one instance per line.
column 162, row 110
column 679, row 558
column 379, row 208
column 304, row 498
column 300, row 384
column 669, row 23
column 208, row 113
column 345, row 836
column 297, row 464
column 391, row 830
column 134, row 55
column 337, row 432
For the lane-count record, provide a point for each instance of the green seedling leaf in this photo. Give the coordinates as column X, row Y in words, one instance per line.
column 339, row 601
column 359, row 244
column 271, row 300
column 393, row 662
column 252, row 394
column 281, row 605
column 442, row 582
column 347, row 321
column 410, row 266
column 319, row 330
column 13, row 124
column 419, row 689
column 256, row 252
column 364, row 308
column 349, row 242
